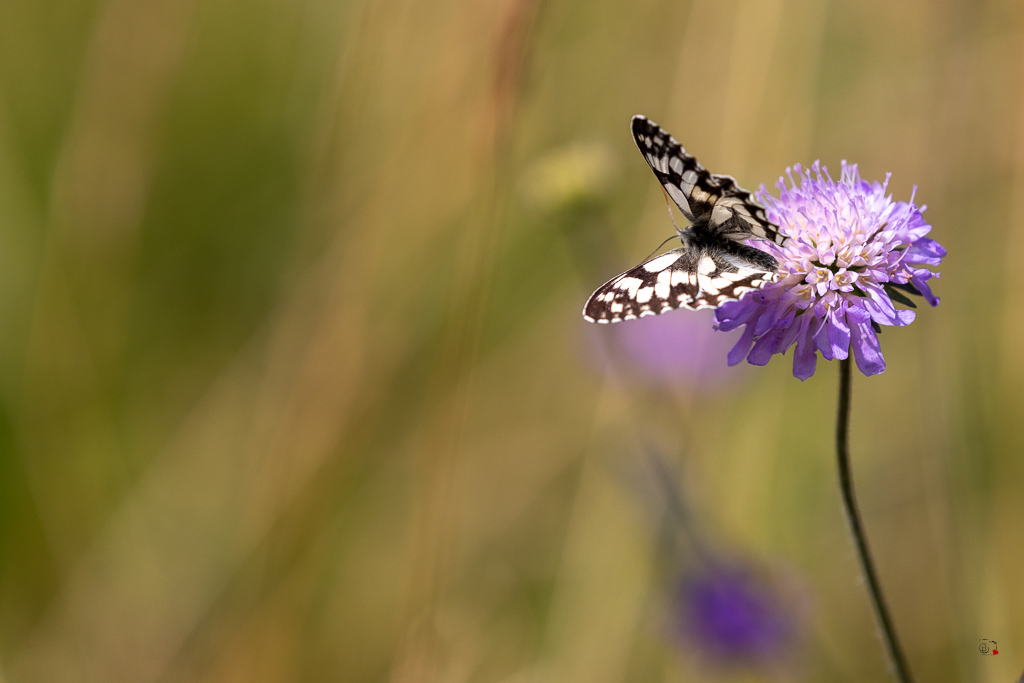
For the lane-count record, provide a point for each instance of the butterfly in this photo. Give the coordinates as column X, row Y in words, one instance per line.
column 713, row 265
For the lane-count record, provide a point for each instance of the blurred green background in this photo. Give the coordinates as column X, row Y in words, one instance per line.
column 294, row 384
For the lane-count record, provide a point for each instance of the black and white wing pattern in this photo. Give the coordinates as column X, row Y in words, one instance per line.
column 715, row 201
column 680, row 278
column 713, row 265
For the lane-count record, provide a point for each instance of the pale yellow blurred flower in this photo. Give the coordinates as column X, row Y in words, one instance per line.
column 569, row 177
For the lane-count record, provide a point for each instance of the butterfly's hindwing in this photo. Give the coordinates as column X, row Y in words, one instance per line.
column 727, row 275
column 663, row 283
column 681, row 278
column 737, row 215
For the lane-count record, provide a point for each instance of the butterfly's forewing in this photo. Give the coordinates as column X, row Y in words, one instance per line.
column 688, row 183
column 703, row 197
column 681, row 278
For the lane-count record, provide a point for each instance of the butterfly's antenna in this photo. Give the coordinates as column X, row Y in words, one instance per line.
column 661, row 245
column 668, row 204
column 679, row 233
column 671, row 216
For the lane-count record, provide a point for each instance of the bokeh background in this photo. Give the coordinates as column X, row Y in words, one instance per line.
column 294, row 384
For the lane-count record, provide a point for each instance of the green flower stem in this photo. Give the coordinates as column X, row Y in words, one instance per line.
column 857, row 528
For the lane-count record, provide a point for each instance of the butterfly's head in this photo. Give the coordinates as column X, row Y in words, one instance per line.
column 683, row 234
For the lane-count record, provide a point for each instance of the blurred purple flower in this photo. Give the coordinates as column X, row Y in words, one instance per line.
column 735, row 617
column 670, row 349
column 852, row 252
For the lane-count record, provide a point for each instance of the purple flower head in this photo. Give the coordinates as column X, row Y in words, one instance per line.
column 735, row 617
column 852, row 252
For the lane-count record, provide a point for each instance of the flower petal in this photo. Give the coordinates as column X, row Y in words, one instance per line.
column 867, row 350
column 856, row 314
column 739, row 350
column 916, row 226
column 732, row 314
column 882, row 310
column 805, row 358
column 920, row 283
column 925, row 251
column 792, row 330
column 764, row 348
column 839, row 335
column 822, row 342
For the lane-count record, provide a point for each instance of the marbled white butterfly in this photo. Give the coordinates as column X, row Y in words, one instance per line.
column 713, row 265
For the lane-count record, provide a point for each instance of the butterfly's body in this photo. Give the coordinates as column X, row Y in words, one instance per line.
column 702, row 237
column 713, row 265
